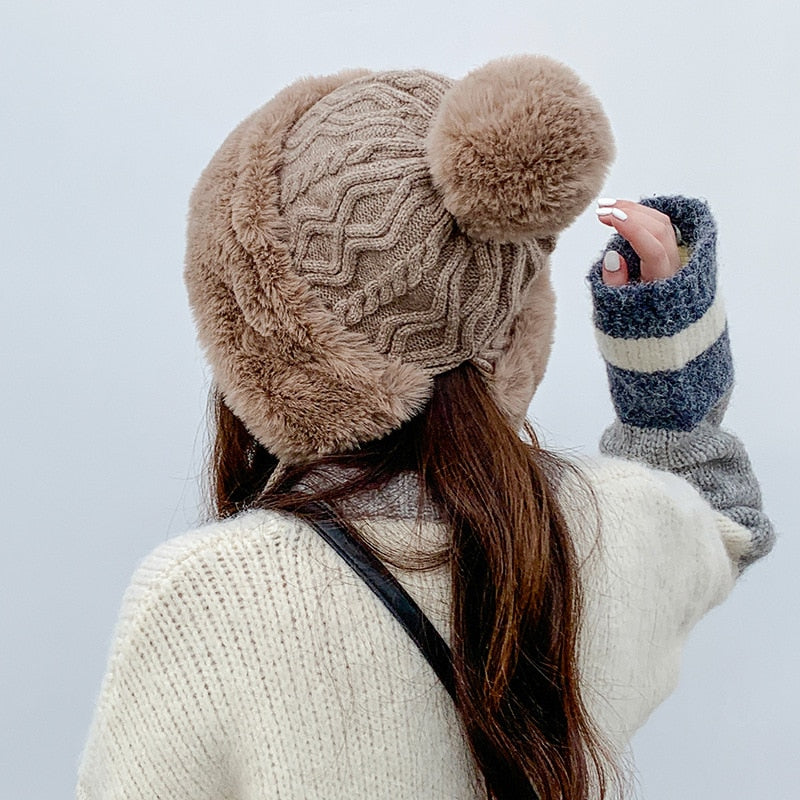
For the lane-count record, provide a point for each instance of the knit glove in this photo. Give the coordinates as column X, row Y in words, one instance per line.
column 668, row 359
column 665, row 343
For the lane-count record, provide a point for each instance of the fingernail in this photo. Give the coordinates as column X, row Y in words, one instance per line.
column 619, row 214
column 606, row 201
column 604, row 212
column 611, row 262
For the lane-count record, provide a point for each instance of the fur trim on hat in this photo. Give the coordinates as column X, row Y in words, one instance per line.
column 519, row 148
column 519, row 371
column 516, row 150
column 302, row 383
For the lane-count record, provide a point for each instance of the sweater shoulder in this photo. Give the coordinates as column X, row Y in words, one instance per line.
column 653, row 559
column 267, row 527
column 652, row 522
column 200, row 555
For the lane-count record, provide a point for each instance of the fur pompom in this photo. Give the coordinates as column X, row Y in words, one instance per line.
column 518, row 148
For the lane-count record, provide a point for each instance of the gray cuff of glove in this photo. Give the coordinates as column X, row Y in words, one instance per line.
column 714, row 461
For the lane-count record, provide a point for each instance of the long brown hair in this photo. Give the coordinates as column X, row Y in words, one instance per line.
column 516, row 598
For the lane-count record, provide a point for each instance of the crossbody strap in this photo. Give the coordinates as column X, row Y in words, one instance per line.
column 376, row 575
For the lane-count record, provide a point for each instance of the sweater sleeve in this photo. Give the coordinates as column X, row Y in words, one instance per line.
column 670, row 372
column 663, row 561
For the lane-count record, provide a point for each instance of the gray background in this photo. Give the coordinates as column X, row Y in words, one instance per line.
column 110, row 111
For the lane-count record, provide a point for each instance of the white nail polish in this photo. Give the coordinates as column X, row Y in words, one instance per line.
column 619, row 214
column 604, row 212
column 606, row 201
column 611, row 262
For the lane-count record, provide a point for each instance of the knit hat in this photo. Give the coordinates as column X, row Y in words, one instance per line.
column 364, row 232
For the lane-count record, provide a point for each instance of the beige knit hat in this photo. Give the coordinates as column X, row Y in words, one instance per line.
column 364, row 232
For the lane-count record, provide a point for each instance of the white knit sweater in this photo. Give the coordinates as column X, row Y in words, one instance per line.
column 250, row 662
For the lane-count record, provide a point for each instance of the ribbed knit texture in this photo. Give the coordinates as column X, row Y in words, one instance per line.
column 666, row 342
column 370, row 233
column 251, row 662
column 712, row 460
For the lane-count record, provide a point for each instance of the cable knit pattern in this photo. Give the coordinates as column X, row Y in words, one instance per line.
column 371, row 235
column 330, row 265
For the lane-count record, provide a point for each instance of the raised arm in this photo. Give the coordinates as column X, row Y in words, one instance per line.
column 662, row 331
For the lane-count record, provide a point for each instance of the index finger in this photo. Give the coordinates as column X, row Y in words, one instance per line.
column 651, row 235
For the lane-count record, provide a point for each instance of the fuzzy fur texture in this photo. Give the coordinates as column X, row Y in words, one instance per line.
column 519, row 371
column 519, row 148
column 303, row 382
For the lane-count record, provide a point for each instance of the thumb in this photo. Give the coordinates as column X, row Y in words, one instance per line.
column 615, row 269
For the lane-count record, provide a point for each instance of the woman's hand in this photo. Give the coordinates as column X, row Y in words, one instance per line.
column 649, row 232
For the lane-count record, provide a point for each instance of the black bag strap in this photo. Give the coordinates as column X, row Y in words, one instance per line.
column 376, row 575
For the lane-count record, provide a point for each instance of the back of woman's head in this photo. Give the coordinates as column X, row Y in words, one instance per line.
column 365, row 232
column 368, row 266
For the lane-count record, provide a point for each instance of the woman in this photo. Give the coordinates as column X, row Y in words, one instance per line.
column 368, row 267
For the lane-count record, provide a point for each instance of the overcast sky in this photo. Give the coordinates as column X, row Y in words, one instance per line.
column 110, row 110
